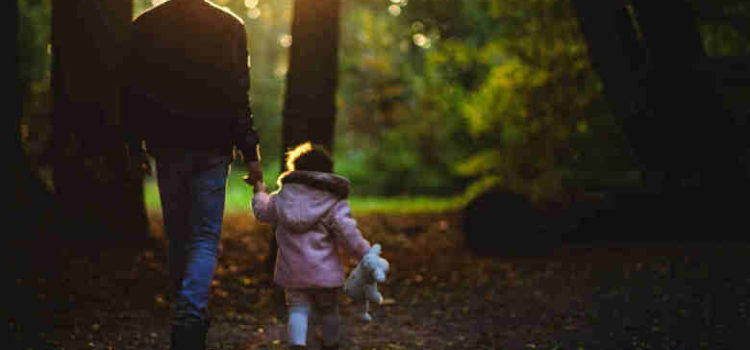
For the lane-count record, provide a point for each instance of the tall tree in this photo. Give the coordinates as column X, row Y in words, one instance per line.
column 656, row 79
column 621, row 61
column 88, row 39
column 309, row 106
column 684, row 95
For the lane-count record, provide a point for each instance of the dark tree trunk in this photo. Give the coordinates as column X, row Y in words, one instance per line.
column 684, row 93
column 88, row 39
column 661, row 91
column 309, row 105
column 653, row 67
column 622, row 62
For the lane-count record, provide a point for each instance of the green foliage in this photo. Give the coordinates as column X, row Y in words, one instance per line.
column 725, row 37
column 494, row 92
column 396, row 115
column 435, row 97
column 239, row 195
column 533, row 99
column 34, row 40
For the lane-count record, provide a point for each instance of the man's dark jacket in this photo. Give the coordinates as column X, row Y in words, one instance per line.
column 186, row 80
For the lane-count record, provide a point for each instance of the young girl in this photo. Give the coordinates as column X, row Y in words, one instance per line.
column 313, row 219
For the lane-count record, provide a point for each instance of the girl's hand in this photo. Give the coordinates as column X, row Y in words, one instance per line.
column 259, row 186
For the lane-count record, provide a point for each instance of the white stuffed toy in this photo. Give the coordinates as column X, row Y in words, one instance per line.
column 362, row 284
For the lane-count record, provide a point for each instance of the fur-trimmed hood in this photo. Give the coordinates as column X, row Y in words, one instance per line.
column 305, row 196
column 335, row 184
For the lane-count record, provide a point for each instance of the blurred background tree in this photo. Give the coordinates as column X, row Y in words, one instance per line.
column 435, row 98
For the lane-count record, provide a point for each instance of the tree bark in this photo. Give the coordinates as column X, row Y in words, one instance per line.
column 309, row 106
column 622, row 63
column 686, row 97
column 88, row 39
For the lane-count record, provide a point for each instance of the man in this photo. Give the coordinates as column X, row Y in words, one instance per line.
column 185, row 97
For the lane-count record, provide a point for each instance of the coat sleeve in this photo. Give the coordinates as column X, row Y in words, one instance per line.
column 345, row 229
column 264, row 207
column 246, row 138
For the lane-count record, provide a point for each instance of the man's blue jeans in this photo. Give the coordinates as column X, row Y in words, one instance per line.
column 192, row 186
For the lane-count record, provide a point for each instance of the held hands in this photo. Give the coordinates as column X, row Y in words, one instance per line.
column 254, row 173
column 254, row 177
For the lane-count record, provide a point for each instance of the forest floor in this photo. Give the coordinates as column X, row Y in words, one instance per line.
column 438, row 295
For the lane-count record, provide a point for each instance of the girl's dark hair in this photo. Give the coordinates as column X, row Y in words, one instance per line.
column 309, row 157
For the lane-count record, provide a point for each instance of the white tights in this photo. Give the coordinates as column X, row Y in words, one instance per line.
column 298, row 319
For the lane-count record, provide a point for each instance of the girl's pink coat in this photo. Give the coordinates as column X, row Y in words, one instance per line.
column 311, row 225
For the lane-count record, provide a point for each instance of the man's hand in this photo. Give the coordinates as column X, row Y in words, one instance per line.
column 254, row 173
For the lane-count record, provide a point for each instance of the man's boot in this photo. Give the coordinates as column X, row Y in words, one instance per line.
column 189, row 335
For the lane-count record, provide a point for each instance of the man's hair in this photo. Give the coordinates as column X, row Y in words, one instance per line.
column 310, row 157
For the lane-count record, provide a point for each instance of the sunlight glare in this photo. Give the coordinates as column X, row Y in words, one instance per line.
column 293, row 154
column 285, row 40
column 421, row 40
column 251, row 3
column 253, row 13
column 157, row 2
column 280, row 71
column 394, row 10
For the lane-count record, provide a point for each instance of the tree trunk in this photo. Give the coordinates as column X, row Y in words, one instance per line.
column 622, row 62
column 309, row 105
column 687, row 99
column 652, row 65
column 88, row 39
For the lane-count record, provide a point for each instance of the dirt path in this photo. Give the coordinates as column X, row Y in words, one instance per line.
column 438, row 296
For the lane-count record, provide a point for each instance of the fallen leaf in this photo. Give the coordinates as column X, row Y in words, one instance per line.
column 388, row 301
